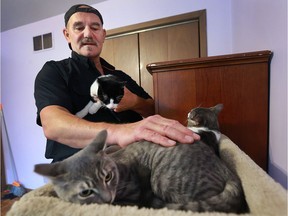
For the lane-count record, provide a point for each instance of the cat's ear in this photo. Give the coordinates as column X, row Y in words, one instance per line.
column 50, row 170
column 99, row 143
column 217, row 109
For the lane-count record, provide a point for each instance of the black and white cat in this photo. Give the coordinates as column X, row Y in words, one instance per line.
column 184, row 177
column 105, row 91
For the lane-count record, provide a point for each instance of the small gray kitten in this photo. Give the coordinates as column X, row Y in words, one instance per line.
column 185, row 177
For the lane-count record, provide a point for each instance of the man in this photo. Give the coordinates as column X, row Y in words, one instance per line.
column 62, row 89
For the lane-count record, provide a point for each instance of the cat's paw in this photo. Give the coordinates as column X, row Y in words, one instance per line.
column 95, row 107
column 111, row 106
column 82, row 113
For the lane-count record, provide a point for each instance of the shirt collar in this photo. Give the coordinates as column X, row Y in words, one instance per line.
column 88, row 63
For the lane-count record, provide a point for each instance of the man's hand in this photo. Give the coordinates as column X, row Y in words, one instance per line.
column 155, row 129
column 60, row 125
column 130, row 101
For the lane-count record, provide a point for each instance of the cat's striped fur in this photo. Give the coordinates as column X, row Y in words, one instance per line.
column 187, row 176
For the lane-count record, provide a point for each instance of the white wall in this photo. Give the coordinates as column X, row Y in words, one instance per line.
column 20, row 66
column 261, row 26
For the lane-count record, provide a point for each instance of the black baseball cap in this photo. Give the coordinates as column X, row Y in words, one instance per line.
column 81, row 8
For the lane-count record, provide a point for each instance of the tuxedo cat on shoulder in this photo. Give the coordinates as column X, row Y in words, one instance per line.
column 106, row 91
column 188, row 177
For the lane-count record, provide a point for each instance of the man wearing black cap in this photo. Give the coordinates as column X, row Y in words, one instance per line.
column 62, row 88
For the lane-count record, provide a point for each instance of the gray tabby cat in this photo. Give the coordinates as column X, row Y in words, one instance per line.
column 187, row 176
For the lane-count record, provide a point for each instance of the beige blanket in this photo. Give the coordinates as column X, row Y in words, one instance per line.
column 263, row 194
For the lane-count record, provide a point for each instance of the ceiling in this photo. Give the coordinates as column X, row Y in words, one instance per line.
column 15, row 13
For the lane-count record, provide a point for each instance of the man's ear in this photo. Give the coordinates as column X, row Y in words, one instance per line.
column 66, row 35
column 104, row 35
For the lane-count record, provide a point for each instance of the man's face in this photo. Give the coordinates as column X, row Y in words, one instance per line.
column 85, row 33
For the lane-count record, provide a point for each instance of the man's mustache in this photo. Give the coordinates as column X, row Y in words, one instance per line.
column 88, row 40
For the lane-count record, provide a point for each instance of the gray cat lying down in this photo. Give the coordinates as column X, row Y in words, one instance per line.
column 186, row 177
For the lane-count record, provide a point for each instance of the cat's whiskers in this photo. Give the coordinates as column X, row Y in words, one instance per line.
column 111, row 104
column 192, row 122
column 124, row 185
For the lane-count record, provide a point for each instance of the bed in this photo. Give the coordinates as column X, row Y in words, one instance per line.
column 263, row 194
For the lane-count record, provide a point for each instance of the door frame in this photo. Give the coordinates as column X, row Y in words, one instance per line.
column 198, row 16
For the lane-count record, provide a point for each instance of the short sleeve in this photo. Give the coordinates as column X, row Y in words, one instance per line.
column 132, row 85
column 51, row 88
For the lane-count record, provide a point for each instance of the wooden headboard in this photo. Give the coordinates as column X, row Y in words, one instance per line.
column 239, row 81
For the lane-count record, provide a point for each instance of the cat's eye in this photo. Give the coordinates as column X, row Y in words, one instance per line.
column 86, row 193
column 108, row 177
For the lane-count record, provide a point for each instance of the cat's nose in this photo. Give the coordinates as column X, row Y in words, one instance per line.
column 107, row 197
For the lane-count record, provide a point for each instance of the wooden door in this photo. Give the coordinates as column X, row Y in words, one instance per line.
column 122, row 52
column 165, row 44
column 131, row 48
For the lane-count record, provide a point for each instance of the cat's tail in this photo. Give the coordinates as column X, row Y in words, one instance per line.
column 231, row 199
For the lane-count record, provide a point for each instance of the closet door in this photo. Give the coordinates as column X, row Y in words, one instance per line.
column 122, row 52
column 173, row 42
column 131, row 48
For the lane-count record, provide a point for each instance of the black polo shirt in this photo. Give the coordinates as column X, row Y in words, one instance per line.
column 67, row 83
